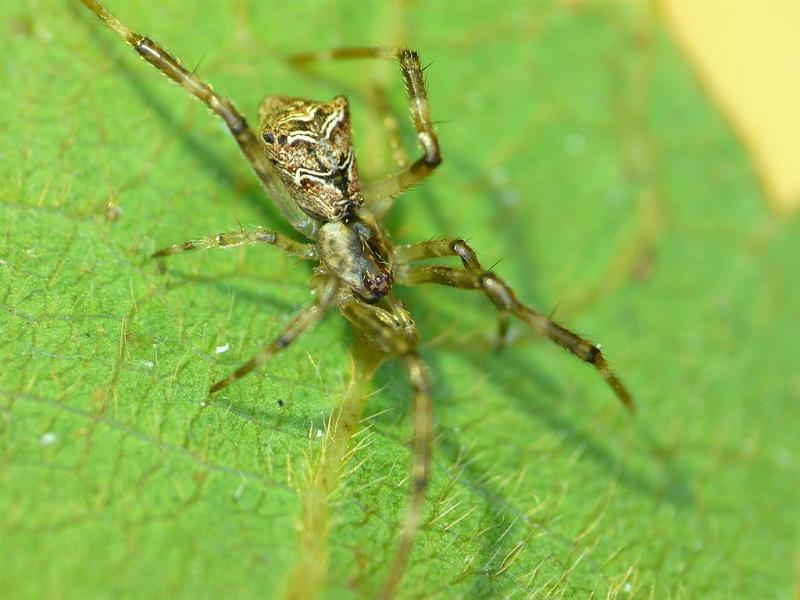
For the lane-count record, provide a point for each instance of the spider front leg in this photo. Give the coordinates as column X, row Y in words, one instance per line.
column 380, row 195
column 396, row 335
column 326, row 291
column 474, row 277
column 233, row 239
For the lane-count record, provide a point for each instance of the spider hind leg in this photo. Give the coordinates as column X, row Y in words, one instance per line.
column 380, row 195
column 155, row 55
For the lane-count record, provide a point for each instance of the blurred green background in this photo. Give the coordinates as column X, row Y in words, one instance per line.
column 580, row 151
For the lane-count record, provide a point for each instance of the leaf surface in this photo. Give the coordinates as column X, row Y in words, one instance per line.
column 579, row 151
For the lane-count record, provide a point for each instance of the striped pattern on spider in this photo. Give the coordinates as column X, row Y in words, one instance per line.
column 302, row 154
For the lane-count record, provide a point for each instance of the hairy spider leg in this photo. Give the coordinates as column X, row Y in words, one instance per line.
column 233, row 239
column 393, row 329
column 443, row 248
column 157, row 56
column 379, row 196
column 380, row 104
column 377, row 102
column 396, row 336
column 326, row 292
column 474, row 277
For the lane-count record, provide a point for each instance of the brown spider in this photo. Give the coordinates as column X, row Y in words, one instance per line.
column 304, row 158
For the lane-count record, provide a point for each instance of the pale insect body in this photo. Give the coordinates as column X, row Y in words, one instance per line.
column 303, row 156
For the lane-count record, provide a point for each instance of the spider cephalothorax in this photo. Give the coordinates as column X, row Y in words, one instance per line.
column 358, row 251
column 304, row 158
column 309, row 144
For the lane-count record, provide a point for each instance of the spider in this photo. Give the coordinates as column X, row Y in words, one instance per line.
column 303, row 156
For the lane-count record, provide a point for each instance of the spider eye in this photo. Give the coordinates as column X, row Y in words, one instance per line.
column 268, row 137
column 281, row 139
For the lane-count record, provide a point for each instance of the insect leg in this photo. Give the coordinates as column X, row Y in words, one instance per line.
column 473, row 277
column 233, row 239
column 157, row 56
column 396, row 336
column 459, row 248
column 309, row 316
column 381, row 106
column 380, row 195
column 377, row 98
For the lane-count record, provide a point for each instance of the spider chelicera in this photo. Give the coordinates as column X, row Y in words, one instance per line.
column 303, row 156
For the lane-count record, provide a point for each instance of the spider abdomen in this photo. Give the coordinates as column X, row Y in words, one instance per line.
column 309, row 145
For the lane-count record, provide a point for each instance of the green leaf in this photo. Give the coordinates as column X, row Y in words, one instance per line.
column 579, row 149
